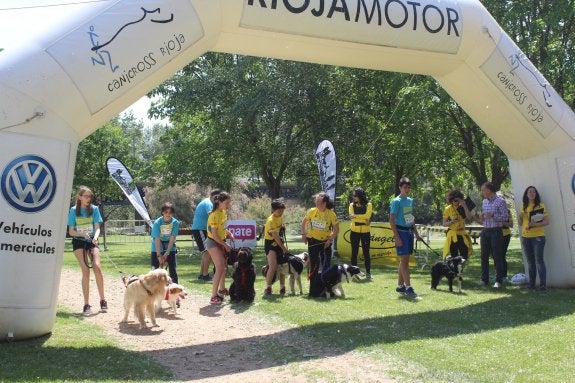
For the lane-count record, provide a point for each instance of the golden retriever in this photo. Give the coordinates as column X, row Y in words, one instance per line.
column 142, row 294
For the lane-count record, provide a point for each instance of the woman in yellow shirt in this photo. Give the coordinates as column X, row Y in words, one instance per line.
column 318, row 230
column 216, row 244
column 273, row 245
column 360, row 211
column 457, row 241
column 532, row 219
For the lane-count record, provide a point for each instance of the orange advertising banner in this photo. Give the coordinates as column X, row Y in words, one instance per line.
column 382, row 245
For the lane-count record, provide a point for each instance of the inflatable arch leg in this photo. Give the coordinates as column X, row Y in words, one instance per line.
column 65, row 70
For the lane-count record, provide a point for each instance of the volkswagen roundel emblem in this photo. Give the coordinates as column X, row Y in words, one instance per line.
column 28, row 183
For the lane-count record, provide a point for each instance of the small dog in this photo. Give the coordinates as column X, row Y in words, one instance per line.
column 292, row 265
column 450, row 268
column 244, row 276
column 142, row 294
column 174, row 292
column 333, row 278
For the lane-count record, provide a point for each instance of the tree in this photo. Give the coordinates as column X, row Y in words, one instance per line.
column 116, row 138
column 240, row 115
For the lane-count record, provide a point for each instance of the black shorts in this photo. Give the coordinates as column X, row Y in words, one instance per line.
column 200, row 236
column 268, row 245
column 81, row 244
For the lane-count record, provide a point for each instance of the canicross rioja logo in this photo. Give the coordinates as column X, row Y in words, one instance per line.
column 28, row 183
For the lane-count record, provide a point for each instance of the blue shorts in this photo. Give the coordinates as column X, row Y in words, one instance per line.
column 407, row 243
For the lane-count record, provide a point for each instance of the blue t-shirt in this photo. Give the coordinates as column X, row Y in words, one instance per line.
column 402, row 207
column 164, row 230
column 201, row 214
column 83, row 223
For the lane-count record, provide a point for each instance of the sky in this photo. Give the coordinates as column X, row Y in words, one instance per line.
column 140, row 111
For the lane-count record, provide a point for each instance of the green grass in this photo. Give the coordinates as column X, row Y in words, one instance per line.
column 75, row 351
column 482, row 335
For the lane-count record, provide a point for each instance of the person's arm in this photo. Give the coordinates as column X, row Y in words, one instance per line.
column 96, row 233
column 159, row 254
column 543, row 222
column 350, row 211
column 398, row 241
column 468, row 215
column 77, row 234
column 335, row 231
column 219, row 240
column 446, row 218
column 276, row 236
column 304, row 230
column 366, row 216
column 369, row 213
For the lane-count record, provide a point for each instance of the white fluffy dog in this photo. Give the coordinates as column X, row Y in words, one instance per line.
column 141, row 294
column 174, row 292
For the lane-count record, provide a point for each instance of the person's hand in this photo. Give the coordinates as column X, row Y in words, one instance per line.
column 418, row 237
column 327, row 243
column 227, row 247
column 398, row 241
column 304, row 238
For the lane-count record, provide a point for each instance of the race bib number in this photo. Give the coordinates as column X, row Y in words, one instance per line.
column 319, row 225
column 409, row 219
column 165, row 230
column 84, row 225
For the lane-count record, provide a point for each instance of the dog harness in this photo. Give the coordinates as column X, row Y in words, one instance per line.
column 144, row 287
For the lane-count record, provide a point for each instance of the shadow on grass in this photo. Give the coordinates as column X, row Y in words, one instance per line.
column 323, row 340
column 100, row 363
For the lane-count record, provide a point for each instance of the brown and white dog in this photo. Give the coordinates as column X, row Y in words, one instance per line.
column 174, row 292
column 142, row 294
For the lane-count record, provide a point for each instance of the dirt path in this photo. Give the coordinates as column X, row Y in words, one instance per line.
column 196, row 345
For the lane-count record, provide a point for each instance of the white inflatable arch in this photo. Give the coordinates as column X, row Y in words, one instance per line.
column 66, row 69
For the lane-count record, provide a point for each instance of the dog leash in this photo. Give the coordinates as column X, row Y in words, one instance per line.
column 429, row 247
column 123, row 276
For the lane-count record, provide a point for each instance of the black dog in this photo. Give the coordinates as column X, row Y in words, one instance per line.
column 244, row 276
column 333, row 278
column 451, row 268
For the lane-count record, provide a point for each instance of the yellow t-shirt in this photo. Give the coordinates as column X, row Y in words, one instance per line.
column 362, row 215
column 452, row 213
column 273, row 223
column 540, row 213
column 216, row 223
column 320, row 223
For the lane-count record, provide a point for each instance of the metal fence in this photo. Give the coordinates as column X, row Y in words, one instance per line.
column 121, row 232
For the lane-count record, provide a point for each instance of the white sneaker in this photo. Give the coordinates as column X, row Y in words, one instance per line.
column 497, row 285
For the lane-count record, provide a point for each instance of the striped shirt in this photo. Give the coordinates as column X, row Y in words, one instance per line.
column 497, row 211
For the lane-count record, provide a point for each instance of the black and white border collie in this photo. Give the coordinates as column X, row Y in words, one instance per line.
column 450, row 268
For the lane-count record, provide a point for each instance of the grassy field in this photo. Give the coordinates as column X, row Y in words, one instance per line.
column 482, row 335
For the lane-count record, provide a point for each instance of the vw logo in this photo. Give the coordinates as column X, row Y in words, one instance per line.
column 28, row 183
